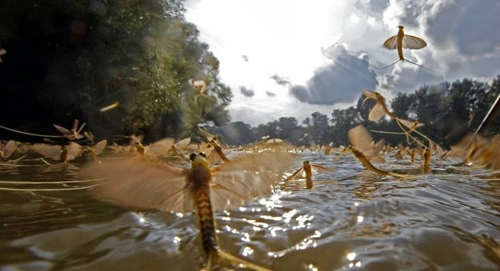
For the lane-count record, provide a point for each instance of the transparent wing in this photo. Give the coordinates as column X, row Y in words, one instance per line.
column 52, row 151
column 360, row 138
column 373, row 150
column 100, row 146
column 296, row 174
column 9, row 148
column 141, row 184
column 63, row 130
column 159, row 147
column 412, row 42
column 321, row 169
column 391, row 43
column 377, row 112
column 248, row 177
column 182, row 144
column 74, row 150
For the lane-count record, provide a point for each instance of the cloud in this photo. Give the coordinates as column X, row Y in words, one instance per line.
column 270, row 94
column 286, row 53
column 246, row 91
column 280, row 80
column 340, row 81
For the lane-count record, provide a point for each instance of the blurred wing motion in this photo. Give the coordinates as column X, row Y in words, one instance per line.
column 478, row 151
column 248, row 177
column 160, row 147
column 409, row 42
column 361, row 139
column 143, row 184
column 376, row 113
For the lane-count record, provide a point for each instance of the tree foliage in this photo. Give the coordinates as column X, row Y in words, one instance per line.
column 447, row 110
column 79, row 56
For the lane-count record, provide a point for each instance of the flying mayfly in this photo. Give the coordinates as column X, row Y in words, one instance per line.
column 402, row 41
column 360, row 137
column 200, row 86
column 152, row 185
column 380, row 109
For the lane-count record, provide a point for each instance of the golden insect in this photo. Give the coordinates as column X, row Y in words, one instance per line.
column 402, row 41
column 149, row 184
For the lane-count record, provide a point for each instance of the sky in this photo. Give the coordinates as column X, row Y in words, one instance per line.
column 286, row 58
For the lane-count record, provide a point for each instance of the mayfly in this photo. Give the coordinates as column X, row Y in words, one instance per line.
column 146, row 184
column 380, row 109
column 402, row 41
column 359, row 136
column 74, row 134
column 307, row 168
column 200, row 86
column 217, row 154
column 95, row 150
column 361, row 139
column 58, row 153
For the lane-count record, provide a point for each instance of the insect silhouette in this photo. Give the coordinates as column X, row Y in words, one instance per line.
column 204, row 189
column 402, row 41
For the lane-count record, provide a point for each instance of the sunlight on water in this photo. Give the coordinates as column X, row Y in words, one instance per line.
column 350, row 219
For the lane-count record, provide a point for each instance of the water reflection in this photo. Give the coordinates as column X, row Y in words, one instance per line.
column 350, row 219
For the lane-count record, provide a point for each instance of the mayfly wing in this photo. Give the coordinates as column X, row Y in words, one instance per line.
column 412, row 42
column 141, row 184
column 377, row 112
column 160, row 147
column 295, row 174
column 391, row 43
column 100, row 146
column 248, row 177
column 323, row 169
column 74, row 150
column 182, row 144
column 361, row 139
column 63, row 130
column 51, row 151
column 9, row 148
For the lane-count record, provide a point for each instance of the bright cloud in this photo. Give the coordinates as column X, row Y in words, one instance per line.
column 261, row 42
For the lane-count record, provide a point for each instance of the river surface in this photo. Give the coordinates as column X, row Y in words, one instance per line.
column 351, row 219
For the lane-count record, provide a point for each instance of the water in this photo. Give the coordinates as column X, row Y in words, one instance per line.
column 350, row 220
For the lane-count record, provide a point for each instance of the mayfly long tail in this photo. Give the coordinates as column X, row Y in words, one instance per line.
column 31, row 134
column 361, row 157
column 206, row 223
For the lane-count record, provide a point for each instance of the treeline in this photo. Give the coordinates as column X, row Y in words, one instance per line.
column 449, row 111
column 67, row 59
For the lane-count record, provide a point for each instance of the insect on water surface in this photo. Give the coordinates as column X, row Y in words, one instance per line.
column 204, row 189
